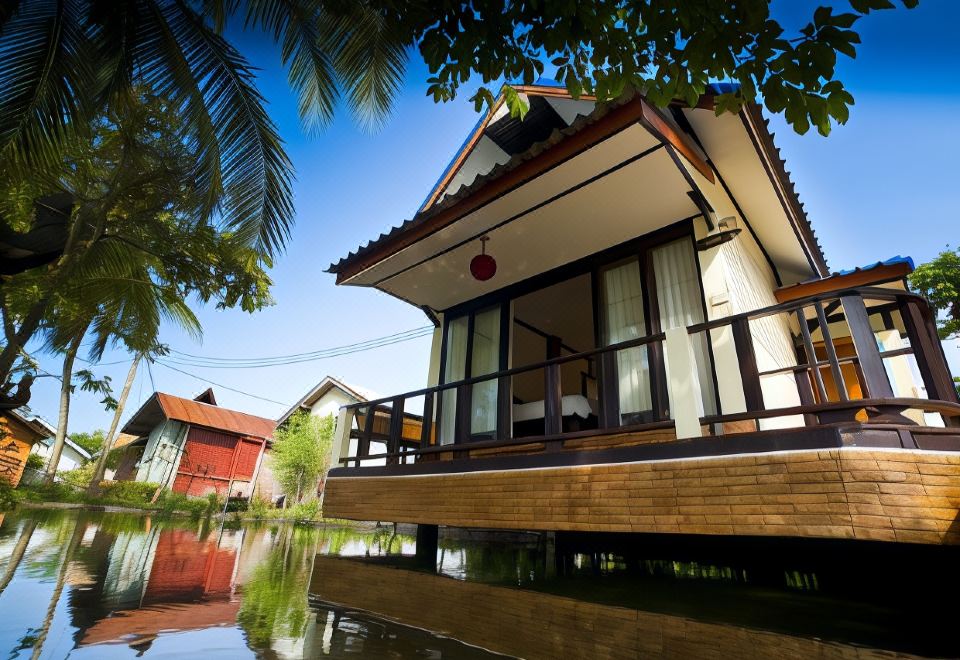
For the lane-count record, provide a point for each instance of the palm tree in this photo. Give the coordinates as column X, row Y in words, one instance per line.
column 64, row 63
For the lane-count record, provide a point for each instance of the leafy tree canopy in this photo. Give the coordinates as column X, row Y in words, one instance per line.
column 140, row 248
column 301, row 453
column 91, row 442
column 939, row 282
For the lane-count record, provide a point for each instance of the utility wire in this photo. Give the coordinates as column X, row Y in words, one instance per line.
column 180, row 358
column 226, row 387
column 199, row 360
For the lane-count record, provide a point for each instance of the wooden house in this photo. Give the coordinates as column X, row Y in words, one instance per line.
column 637, row 331
column 194, row 446
column 19, row 433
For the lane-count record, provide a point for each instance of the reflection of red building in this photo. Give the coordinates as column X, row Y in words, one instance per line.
column 185, row 568
column 195, row 446
column 190, row 587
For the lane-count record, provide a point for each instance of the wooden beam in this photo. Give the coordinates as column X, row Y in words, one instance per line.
column 868, row 277
column 655, row 122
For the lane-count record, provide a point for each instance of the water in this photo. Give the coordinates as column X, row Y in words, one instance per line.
column 86, row 585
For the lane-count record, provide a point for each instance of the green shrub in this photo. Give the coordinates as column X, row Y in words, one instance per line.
column 8, row 496
column 259, row 507
column 171, row 502
column 80, row 477
column 127, row 493
column 308, row 510
column 55, row 492
column 35, row 462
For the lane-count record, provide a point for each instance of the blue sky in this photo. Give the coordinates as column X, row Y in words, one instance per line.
column 882, row 185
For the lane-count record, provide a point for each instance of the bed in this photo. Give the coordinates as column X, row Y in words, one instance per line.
column 576, row 410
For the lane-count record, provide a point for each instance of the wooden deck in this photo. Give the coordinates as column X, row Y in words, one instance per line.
column 886, row 494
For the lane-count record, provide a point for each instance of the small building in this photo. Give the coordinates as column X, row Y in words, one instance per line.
column 637, row 331
column 71, row 457
column 194, row 446
column 326, row 399
column 19, row 433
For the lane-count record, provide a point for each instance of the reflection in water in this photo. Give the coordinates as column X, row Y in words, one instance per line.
column 113, row 585
column 109, row 585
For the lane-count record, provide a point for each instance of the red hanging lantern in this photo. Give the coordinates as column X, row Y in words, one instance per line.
column 483, row 266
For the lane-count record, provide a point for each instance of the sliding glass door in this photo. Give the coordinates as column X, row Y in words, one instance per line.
column 656, row 290
column 624, row 319
column 472, row 347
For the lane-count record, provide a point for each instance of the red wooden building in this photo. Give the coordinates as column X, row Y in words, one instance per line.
column 194, row 446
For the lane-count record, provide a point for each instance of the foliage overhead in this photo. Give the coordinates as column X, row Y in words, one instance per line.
column 139, row 247
column 301, row 453
column 939, row 281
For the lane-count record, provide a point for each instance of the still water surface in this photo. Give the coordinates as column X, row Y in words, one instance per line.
column 87, row 585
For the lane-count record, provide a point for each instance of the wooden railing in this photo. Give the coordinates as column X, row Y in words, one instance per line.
column 827, row 385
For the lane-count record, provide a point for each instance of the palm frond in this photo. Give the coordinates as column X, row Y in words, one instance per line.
column 370, row 60
column 296, row 26
column 256, row 172
column 46, row 80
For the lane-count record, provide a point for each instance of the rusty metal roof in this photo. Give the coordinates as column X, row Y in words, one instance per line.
column 162, row 406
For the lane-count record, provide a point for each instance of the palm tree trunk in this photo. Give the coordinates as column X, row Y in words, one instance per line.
column 101, row 468
column 66, row 389
column 18, row 551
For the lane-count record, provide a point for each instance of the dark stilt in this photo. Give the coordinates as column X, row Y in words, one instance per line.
column 427, row 541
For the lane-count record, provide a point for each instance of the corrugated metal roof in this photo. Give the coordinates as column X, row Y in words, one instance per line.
column 557, row 136
column 889, row 262
column 166, row 406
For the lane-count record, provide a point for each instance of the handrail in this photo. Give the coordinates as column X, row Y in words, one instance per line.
column 583, row 355
column 792, row 305
column 867, row 358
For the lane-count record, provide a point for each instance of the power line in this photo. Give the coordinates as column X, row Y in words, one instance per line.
column 311, row 355
column 226, row 387
column 185, row 359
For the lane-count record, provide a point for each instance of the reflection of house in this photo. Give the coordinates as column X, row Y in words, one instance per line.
column 166, row 580
column 195, row 446
column 19, row 433
column 658, row 295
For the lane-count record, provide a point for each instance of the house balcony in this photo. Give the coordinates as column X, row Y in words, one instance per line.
column 855, row 438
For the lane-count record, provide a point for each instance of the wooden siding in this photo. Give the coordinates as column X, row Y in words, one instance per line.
column 16, row 441
column 211, row 459
column 530, row 624
column 877, row 494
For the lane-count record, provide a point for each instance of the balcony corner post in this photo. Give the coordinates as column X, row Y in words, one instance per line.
column 342, row 444
column 684, row 386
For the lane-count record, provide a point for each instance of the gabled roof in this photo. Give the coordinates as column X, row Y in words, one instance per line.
column 328, row 383
column 445, row 205
column 161, row 407
column 26, row 418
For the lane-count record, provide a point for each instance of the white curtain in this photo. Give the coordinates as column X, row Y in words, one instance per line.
column 455, row 365
column 680, row 302
column 485, row 359
column 624, row 320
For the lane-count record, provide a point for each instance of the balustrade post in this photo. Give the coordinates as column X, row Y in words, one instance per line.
column 609, row 391
column 396, row 429
column 504, row 409
column 552, row 402
column 747, row 359
column 865, row 343
column 426, row 426
column 927, row 350
column 343, row 431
